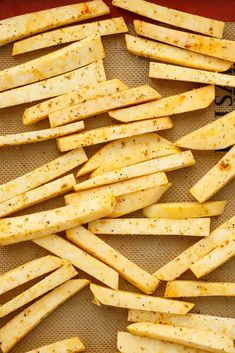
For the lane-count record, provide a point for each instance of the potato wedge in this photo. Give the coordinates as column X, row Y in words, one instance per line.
column 173, row 17
column 130, row 300
column 41, row 110
column 103, row 104
column 180, row 210
column 24, row 322
column 112, row 132
column 180, row 103
column 22, row 26
column 72, row 345
column 218, row 134
column 174, row 55
column 55, row 279
column 42, row 175
column 55, row 86
column 104, row 252
column 80, row 259
column 70, row 34
column 176, row 289
column 216, row 178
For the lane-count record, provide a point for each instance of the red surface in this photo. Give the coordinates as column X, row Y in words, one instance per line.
column 221, row 10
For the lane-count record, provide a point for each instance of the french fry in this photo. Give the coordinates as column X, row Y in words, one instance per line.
column 214, row 259
column 180, row 210
column 104, row 252
column 146, row 146
column 201, row 339
column 27, row 272
column 55, row 86
column 167, row 163
column 71, row 57
column 70, row 34
column 22, row 26
column 41, row 110
column 80, row 259
column 174, row 55
column 103, row 104
column 216, row 178
column 181, row 19
column 176, row 289
column 219, row 48
column 61, row 275
column 180, row 103
column 42, row 175
column 218, row 134
column 112, row 132
column 187, row 258
column 24, row 322
column 72, row 345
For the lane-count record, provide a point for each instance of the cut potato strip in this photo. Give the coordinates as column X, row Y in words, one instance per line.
column 70, row 34
column 216, row 178
column 112, row 132
column 42, row 175
column 173, row 17
column 180, row 103
column 71, row 345
column 199, row 227
column 219, row 48
column 41, row 110
column 222, row 325
column 167, row 163
column 175, row 289
column 37, row 195
column 18, row 327
column 173, row 55
column 35, row 225
column 79, row 259
column 189, row 337
column 180, row 210
column 22, row 26
column 27, row 272
column 182, row 262
column 146, row 146
column 103, row 104
column 61, row 275
column 40, row 135
column 130, row 300
column 55, row 86
column 67, row 59
column 216, row 135
column 104, row 252
column 214, row 259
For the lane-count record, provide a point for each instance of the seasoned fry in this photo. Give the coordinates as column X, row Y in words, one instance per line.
column 180, row 103
column 71, row 345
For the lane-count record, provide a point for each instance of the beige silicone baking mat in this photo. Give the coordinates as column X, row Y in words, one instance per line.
column 97, row 326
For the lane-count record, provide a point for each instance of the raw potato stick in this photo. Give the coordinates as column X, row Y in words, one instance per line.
column 41, row 110
column 112, row 132
column 177, row 18
column 104, row 252
column 61, row 275
column 180, row 210
column 216, row 178
column 177, row 73
column 80, row 259
column 103, row 104
column 67, row 59
column 70, row 34
column 180, row 103
column 55, row 86
column 176, row 289
column 130, row 300
column 218, row 134
column 71, row 345
column 174, row 55
column 24, row 322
